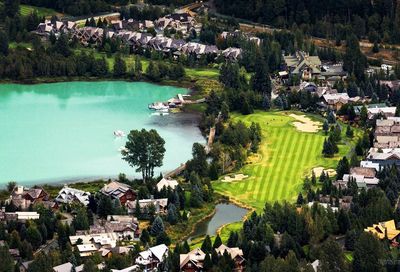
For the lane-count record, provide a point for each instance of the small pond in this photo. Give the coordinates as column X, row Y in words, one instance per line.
column 225, row 213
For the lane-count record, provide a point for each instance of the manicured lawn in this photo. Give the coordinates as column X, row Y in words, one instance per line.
column 26, row 10
column 286, row 156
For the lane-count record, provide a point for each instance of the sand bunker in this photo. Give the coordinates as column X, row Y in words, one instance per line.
column 237, row 177
column 318, row 171
column 305, row 124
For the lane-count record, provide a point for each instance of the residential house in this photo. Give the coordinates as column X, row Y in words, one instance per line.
column 121, row 191
column 199, row 49
column 89, row 35
column 237, row 35
column 48, row 28
column 232, row 53
column 324, row 205
column 153, row 257
column 67, row 267
column 392, row 84
column 124, row 226
column 336, row 101
column 382, row 111
column 24, row 266
column 128, row 269
column 130, row 24
column 332, row 73
column 87, row 245
column 364, row 177
column 387, row 132
column 160, row 205
column 192, row 261
column 167, row 183
column 384, row 230
column 69, row 195
column 24, row 197
column 49, row 204
column 236, row 254
column 303, row 65
column 384, row 156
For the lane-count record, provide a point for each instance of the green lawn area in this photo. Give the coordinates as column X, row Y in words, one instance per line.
column 26, row 10
column 285, row 157
column 192, row 73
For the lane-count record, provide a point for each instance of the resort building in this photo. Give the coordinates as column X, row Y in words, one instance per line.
column 160, row 205
column 303, row 65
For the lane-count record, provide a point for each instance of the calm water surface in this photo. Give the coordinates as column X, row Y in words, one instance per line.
column 225, row 213
column 64, row 131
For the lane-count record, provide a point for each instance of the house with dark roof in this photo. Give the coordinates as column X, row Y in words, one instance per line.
column 24, row 197
column 121, row 191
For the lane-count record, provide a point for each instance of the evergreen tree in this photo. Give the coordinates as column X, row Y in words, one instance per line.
column 342, row 168
column 3, row 43
column 11, row 7
column 157, row 227
column 331, row 118
column 7, row 262
column 217, row 241
column 354, row 60
column 33, row 236
column 90, row 266
column 153, row 72
column 325, row 127
column 145, row 237
column 368, row 252
column 332, row 257
column 119, row 66
column 260, row 80
column 328, row 149
column 172, row 216
column 349, row 132
column 300, row 199
column 81, row 220
column 207, row 264
column 206, row 247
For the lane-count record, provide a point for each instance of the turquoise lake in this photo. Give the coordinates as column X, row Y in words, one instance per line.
column 64, row 131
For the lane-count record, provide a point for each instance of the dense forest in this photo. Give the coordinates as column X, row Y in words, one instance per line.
column 378, row 20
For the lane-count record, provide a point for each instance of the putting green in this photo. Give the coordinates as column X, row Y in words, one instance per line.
column 285, row 157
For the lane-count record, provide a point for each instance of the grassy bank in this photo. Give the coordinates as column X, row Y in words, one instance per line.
column 285, row 157
column 25, row 10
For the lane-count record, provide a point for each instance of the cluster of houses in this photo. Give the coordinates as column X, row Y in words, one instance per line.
column 105, row 236
column 136, row 35
column 194, row 260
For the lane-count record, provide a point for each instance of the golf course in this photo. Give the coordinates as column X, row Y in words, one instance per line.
column 289, row 150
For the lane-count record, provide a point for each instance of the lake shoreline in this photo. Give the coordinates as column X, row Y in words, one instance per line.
column 186, row 83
